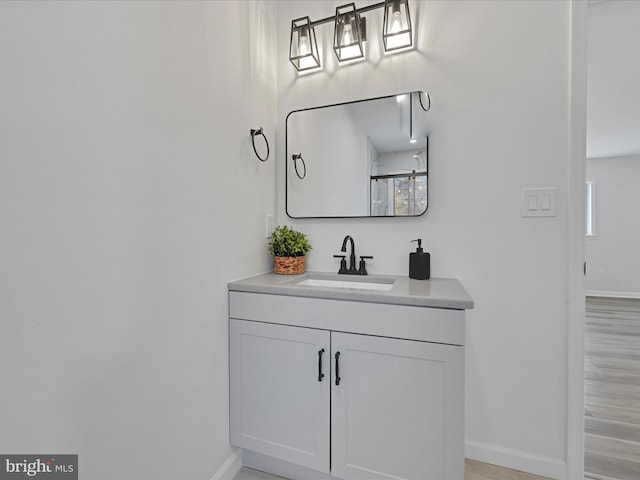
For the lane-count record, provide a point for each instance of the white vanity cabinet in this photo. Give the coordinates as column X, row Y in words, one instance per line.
column 397, row 412
column 277, row 405
column 347, row 389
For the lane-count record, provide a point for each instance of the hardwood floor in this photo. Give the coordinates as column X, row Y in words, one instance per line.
column 473, row 471
column 247, row 473
column 612, row 388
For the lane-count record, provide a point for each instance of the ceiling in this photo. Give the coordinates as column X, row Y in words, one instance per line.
column 613, row 79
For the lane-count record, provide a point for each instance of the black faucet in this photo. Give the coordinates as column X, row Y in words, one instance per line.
column 352, row 259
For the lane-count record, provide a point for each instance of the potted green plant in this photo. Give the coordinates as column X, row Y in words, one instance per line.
column 288, row 248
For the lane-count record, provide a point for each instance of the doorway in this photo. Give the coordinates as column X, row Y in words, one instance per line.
column 612, row 321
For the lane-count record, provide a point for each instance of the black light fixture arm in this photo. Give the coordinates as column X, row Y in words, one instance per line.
column 350, row 32
column 332, row 18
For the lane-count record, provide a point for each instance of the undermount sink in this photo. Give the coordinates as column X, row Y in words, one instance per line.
column 380, row 284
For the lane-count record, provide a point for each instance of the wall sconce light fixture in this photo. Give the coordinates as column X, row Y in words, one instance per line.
column 396, row 27
column 303, row 51
column 350, row 33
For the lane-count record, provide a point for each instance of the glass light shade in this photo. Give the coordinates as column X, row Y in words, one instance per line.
column 396, row 28
column 348, row 33
column 303, row 48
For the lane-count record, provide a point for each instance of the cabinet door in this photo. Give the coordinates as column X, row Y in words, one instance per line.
column 278, row 406
column 398, row 409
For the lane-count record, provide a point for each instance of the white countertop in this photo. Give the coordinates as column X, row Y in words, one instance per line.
column 435, row 293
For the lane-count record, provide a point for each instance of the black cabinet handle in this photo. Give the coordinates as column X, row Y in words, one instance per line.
column 320, row 374
column 337, row 368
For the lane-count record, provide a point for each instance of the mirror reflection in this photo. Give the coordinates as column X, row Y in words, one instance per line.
column 359, row 159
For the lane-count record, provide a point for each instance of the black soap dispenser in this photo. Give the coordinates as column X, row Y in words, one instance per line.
column 419, row 263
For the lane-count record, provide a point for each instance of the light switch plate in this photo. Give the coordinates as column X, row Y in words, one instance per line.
column 539, row 202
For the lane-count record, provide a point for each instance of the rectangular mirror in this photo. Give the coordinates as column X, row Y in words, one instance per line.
column 367, row 158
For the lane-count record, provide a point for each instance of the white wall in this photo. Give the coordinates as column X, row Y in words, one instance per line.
column 326, row 191
column 129, row 196
column 613, row 148
column 613, row 78
column 498, row 75
column 613, row 265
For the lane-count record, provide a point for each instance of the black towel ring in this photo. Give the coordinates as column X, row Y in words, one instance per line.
column 253, row 143
column 295, row 157
column 422, row 104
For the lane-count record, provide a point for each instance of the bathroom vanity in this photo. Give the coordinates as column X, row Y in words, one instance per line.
column 337, row 376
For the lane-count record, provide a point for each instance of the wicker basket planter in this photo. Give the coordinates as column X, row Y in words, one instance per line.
column 288, row 265
column 288, row 248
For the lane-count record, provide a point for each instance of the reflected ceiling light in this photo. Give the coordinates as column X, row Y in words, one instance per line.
column 350, row 33
column 303, row 48
column 396, row 27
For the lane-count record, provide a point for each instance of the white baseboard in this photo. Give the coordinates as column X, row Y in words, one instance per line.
column 517, row 460
column 610, row 293
column 230, row 467
column 504, row 457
